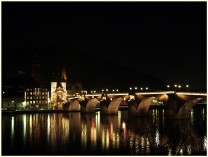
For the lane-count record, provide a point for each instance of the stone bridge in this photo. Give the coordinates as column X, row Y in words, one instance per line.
column 177, row 104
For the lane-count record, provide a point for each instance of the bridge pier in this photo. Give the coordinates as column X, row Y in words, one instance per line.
column 104, row 106
column 132, row 108
column 179, row 106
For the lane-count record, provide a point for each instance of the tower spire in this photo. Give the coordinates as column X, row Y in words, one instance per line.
column 63, row 74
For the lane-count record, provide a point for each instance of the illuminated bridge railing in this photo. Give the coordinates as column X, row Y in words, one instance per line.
column 155, row 93
column 192, row 93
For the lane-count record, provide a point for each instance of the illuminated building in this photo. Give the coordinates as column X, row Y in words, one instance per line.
column 59, row 92
column 37, row 98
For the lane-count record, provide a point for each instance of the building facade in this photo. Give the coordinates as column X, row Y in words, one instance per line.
column 37, row 98
column 59, row 92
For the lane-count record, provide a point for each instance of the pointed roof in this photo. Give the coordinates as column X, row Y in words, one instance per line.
column 63, row 74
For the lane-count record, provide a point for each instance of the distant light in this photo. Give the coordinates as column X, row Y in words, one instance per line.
column 91, row 91
column 116, row 90
column 141, row 88
column 94, row 91
column 123, row 125
column 110, row 98
column 146, row 88
column 3, row 92
column 106, row 89
column 187, row 86
column 130, row 88
column 12, row 101
column 113, row 90
column 179, row 86
column 135, row 88
column 168, row 86
column 124, row 99
column 175, row 85
column 102, row 90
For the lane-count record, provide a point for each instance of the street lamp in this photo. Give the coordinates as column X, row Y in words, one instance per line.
column 168, row 86
column 135, row 88
column 146, row 88
column 13, row 104
column 130, row 88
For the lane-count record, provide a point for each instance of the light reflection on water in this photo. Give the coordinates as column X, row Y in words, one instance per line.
column 85, row 134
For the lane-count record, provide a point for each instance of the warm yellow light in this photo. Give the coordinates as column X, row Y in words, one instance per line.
column 149, row 93
column 116, row 90
column 94, row 91
column 175, row 85
column 146, row 88
column 113, row 90
column 168, row 86
column 179, row 86
column 106, row 89
column 135, row 88
column 187, row 86
column 130, row 88
column 102, row 90
column 192, row 93
column 141, row 88
column 118, row 93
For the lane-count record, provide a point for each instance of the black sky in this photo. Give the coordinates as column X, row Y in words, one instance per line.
column 165, row 40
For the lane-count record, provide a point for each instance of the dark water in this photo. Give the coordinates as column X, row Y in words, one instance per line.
column 95, row 134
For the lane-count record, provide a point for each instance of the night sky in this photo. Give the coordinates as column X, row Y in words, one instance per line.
column 164, row 40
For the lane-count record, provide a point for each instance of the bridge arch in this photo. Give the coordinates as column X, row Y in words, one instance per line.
column 114, row 105
column 91, row 104
column 185, row 110
column 74, row 106
column 144, row 105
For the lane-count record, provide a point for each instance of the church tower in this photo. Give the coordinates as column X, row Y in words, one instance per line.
column 63, row 78
column 58, row 91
